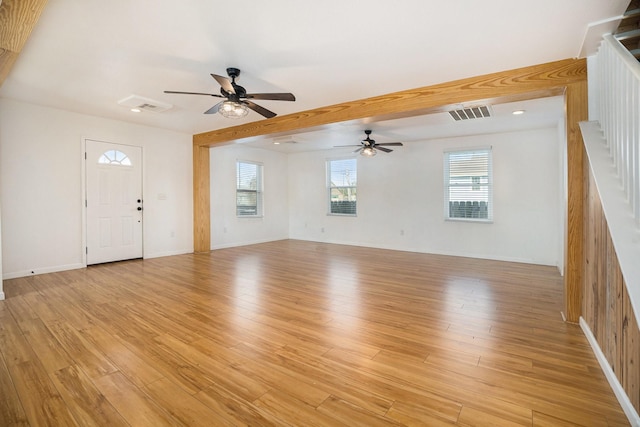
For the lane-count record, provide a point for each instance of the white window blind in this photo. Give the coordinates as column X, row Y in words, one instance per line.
column 468, row 185
column 342, row 183
column 248, row 189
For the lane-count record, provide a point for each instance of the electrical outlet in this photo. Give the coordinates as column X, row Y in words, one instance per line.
column 402, row 232
column 322, row 230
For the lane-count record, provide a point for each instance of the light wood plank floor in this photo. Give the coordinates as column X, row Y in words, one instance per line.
column 297, row 333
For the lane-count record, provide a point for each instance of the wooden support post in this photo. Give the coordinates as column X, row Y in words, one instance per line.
column 201, row 200
column 576, row 104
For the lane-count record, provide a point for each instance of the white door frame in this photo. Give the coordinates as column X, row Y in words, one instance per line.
column 83, row 204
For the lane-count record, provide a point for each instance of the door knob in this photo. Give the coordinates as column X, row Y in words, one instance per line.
column 139, row 208
column 139, row 200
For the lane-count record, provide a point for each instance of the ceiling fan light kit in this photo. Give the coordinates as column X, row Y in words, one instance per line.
column 237, row 101
column 368, row 152
column 369, row 147
column 233, row 110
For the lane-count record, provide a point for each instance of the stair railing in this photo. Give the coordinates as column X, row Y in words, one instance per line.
column 619, row 106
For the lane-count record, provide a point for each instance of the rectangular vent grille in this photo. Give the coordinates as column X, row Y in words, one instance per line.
column 148, row 107
column 144, row 104
column 470, row 113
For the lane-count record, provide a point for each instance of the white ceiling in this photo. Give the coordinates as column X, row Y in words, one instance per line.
column 85, row 56
column 542, row 112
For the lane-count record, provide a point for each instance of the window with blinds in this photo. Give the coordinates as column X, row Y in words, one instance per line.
column 342, row 180
column 468, row 185
column 248, row 189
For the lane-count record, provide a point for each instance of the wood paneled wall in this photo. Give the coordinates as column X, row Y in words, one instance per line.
column 606, row 305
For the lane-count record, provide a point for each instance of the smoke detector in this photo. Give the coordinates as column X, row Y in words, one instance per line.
column 140, row 103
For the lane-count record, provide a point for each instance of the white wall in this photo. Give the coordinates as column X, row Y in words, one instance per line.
column 226, row 228
column 400, row 200
column 1, row 287
column 563, row 194
column 42, row 186
column 400, row 196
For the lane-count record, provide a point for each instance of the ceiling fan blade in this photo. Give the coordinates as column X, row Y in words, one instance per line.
column 386, row 150
column 392, row 144
column 272, row 96
column 224, row 82
column 352, row 145
column 358, row 150
column 215, row 108
column 193, row 93
column 260, row 110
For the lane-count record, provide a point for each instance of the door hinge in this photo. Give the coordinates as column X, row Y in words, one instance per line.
column 86, row 250
column 85, row 203
column 85, row 155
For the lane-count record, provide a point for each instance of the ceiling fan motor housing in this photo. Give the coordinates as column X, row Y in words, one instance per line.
column 233, row 72
column 235, row 97
column 368, row 141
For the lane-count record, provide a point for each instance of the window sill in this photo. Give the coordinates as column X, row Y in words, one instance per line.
column 339, row 214
column 477, row 220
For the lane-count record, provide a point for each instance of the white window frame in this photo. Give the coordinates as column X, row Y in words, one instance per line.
column 331, row 186
column 259, row 191
column 114, row 157
column 476, row 191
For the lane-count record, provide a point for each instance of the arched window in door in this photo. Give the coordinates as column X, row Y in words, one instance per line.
column 114, row 157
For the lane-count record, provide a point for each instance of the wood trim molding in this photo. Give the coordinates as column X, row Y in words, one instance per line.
column 17, row 20
column 567, row 76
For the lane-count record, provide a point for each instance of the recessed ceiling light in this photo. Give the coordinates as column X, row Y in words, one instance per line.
column 284, row 140
column 136, row 110
column 518, row 112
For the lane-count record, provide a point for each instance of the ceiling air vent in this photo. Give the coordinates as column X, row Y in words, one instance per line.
column 144, row 104
column 470, row 113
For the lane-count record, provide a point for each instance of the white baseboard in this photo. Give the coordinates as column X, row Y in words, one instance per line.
column 424, row 251
column 618, row 390
column 246, row 243
column 168, row 253
column 24, row 273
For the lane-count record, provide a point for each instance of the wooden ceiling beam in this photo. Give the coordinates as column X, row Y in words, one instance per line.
column 17, row 20
column 500, row 87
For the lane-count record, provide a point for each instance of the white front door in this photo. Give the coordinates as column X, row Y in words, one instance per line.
column 113, row 201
